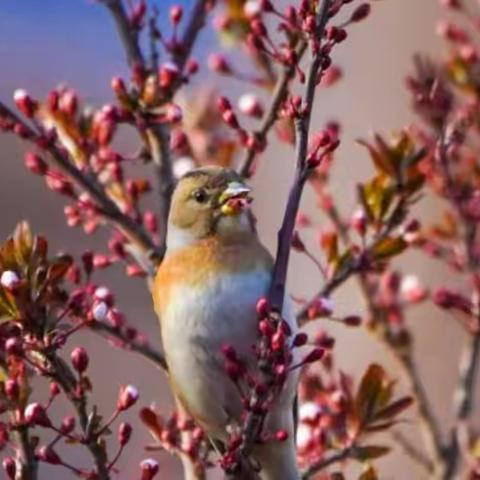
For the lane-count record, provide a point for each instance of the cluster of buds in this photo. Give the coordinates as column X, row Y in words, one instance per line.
column 178, row 434
column 276, row 356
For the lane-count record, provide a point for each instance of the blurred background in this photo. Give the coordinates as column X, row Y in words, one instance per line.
column 74, row 42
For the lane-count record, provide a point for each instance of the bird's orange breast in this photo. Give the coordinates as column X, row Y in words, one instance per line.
column 194, row 265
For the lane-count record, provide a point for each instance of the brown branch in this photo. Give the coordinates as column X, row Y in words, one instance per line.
column 411, row 451
column 27, row 464
column 271, row 115
column 317, row 467
column 62, row 374
column 302, row 127
column 142, row 349
column 134, row 231
column 128, row 36
column 401, row 354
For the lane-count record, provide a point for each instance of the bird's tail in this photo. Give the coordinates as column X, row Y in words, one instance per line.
column 278, row 461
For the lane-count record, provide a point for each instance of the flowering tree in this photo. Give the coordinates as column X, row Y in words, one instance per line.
column 46, row 299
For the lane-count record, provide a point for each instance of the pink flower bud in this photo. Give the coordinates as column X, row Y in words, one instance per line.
column 173, row 113
column 224, row 104
column 118, row 86
column 314, row 355
column 149, row 469
column 192, row 66
column 230, row 119
column 278, row 341
column 36, row 414
column 14, row 347
column 218, row 63
column 59, row 184
column 411, row 289
column 79, row 358
column 124, row 433
column 101, row 261
column 229, row 352
column 35, row 163
column 135, row 270
column 48, row 455
column 309, row 412
column 10, row 280
column 281, row 435
column 233, row 370
column 297, row 243
column 252, row 8
column 127, row 397
column 331, row 76
column 176, row 13
column 167, row 74
column 10, row 467
column 263, row 307
column 54, row 389
column 178, row 140
column 250, row 105
column 359, row 221
column 68, row 103
column 353, row 320
column 321, row 307
column 68, row 424
column 361, row 13
column 103, row 294
column 24, row 102
column 300, row 339
column 12, row 389
column 150, row 221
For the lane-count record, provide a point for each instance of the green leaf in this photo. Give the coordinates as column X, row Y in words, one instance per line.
column 394, row 408
column 389, row 247
column 369, row 474
column 370, row 452
column 370, row 389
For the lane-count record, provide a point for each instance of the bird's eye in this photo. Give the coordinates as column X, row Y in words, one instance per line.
column 200, row 195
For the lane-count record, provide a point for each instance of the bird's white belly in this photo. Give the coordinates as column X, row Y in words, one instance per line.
column 197, row 323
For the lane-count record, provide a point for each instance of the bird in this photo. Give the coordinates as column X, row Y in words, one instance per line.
column 205, row 293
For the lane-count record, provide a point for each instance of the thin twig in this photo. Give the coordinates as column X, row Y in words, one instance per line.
column 271, row 114
column 143, row 349
column 317, row 467
column 128, row 36
column 412, row 451
column 27, row 463
column 86, row 182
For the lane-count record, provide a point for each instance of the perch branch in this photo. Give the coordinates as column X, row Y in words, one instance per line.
column 317, row 467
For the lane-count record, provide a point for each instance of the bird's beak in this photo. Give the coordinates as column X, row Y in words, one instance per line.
column 235, row 198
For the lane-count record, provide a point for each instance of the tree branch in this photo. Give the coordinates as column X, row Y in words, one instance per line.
column 134, row 231
column 271, row 115
column 142, row 349
column 27, row 463
column 317, row 467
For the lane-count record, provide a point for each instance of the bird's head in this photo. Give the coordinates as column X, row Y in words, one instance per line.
column 210, row 201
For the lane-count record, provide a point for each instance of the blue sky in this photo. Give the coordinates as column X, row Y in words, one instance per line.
column 44, row 42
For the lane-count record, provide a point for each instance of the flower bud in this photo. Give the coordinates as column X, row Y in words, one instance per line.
column 10, row 280
column 263, row 307
column 281, row 435
column 12, row 389
column 10, row 467
column 24, row 102
column 48, row 455
column 300, row 339
column 315, row 355
column 79, row 358
column 99, row 311
column 297, row 242
column 36, row 414
column 278, row 341
column 35, row 163
column 149, row 468
column 168, row 73
column 54, row 389
column 127, row 397
column 361, row 13
column 250, row 105
column 352, row 320
column 321, row 307
column 359, row 221
column 118, row 86
column 68, row 424
column 230, row 119
column 176, row 13
column 224, row 104
column 14, row 347
column 124, row 433
column 218, row 63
